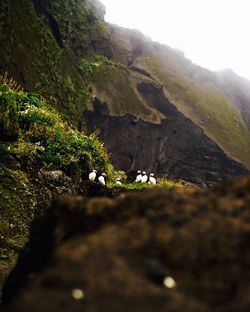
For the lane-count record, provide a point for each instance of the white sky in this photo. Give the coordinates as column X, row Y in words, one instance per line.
column 212, row 33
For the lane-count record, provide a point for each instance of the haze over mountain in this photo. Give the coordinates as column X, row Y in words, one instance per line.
column 152, row 107
column 211, row 33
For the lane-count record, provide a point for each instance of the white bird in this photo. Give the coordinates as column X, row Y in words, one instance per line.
column 152, row 179
column 92, row 175
column 118, row 181
column 144, row 178
column 101, row 179
column 139, row 177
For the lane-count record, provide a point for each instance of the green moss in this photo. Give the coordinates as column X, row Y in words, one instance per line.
column 169, row 184
column 16, row 206
column 18, row 194
column 141, row 186
column 29, row 41
column 18, row 197
column 44, row 142
column 113, row 82
column 129, row 186
column 43, row 126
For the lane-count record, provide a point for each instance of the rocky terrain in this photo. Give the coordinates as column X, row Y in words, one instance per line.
column 102, row 248
column 159, row 250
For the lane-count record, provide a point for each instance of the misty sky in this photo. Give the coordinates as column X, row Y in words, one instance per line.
column 212, row 33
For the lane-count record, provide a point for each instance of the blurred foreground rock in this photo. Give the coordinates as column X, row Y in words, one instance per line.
column 158, row 250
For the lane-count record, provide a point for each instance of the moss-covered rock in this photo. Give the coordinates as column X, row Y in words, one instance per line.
column 46, row 159
column 41, row 43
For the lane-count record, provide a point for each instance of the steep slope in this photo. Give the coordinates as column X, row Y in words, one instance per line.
column 183, row 123
column 41, row 46
column 193, row 90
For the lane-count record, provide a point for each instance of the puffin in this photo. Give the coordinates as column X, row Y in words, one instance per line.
column 138, row 177
column 92, row 175
column 152, row 179
column 118, row 181
column 144, row 178
column 101, row 179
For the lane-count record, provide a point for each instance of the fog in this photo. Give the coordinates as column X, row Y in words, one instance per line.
column 212, row 33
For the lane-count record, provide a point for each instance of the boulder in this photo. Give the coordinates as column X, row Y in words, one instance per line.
column 156, row 250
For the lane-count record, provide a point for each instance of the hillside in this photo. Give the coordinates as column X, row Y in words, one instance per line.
column 153, row 108
column 237, row 91
column 194, row 91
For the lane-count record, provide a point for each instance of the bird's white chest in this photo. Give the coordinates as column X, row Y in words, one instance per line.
column 138, row 178
column 101, row 180
column 92, row 176
column 152, row 180
column 144, row 179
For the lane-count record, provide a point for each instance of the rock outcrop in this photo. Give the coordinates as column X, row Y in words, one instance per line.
column 159, row 250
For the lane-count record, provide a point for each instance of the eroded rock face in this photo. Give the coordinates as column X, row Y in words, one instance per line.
column 175, row 148
column 115, row 255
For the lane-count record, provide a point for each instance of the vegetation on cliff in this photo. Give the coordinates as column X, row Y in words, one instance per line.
column 42, row 156
column 27, row 118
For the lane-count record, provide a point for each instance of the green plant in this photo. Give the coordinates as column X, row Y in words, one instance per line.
column 88, row 68
column 64, row 147
column 169, row 183
column 5, row 79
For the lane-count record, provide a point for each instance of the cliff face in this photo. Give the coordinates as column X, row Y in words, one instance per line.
column 176, row 147
column 42, row 43
column 172, row 117
column 196, row 92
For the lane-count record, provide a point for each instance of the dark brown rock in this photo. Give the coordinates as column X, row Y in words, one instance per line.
column 114, row 255
column 175, row 148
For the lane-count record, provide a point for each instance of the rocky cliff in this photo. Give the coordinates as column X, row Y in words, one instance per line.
column 172, row 116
